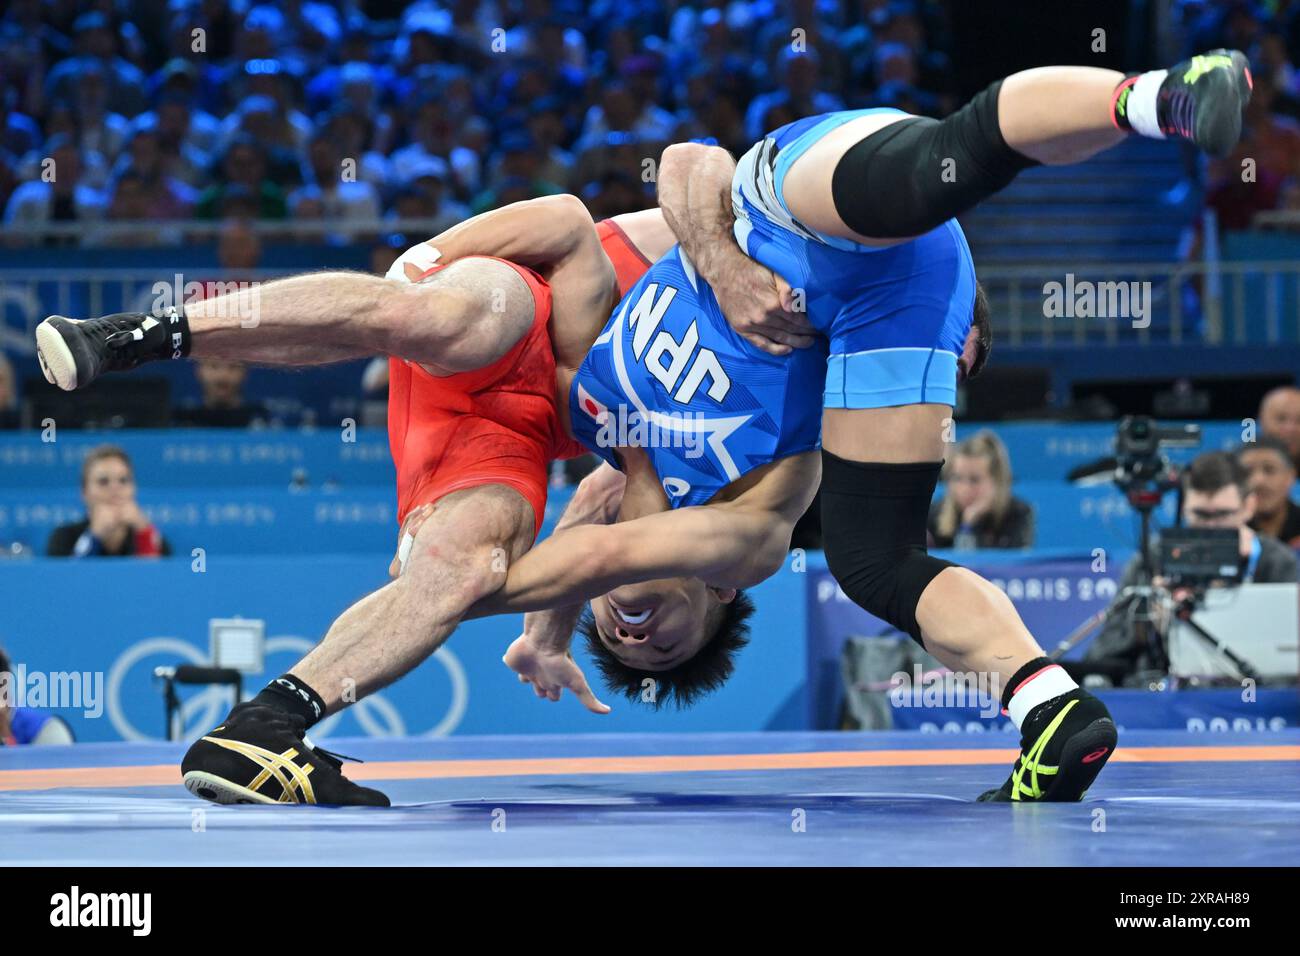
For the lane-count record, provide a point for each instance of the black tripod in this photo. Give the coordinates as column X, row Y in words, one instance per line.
column 1144, row 495
column 1145, row 476
column 1183, row 610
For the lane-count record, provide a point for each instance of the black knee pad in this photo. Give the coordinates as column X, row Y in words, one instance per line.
column 918, row 173
column 874, row 531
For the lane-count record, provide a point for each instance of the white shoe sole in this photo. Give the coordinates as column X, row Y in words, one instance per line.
column 56, row 359
column 209, row 787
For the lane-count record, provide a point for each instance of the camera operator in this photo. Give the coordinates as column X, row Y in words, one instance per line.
column 1215, row 494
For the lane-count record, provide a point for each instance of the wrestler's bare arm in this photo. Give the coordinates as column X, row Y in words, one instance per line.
column 726, row 545
column 648, row 231
column 555, row 236
column 695, row 195
column 694, row 187
column 595, row 502
column 537, row 233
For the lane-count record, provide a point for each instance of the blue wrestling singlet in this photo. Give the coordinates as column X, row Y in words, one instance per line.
column 896, row 316
column 669, row 375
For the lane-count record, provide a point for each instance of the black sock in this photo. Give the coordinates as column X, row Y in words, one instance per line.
column 176, row 335
column 292, row 695
column 159, row 337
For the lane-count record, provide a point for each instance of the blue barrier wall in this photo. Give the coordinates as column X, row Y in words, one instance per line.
column 1053, row 593
column 214, row 457
column 121, row 619
column 116, row 621
column 1040, row 451
column 296, row 558
column 230, row 491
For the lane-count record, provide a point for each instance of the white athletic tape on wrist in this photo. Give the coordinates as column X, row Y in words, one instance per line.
column 1051, row 681
column 1141, row 108
column 423, row 256
column 404, row 551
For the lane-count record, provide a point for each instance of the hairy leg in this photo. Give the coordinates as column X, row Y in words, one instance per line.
column 461, row 554
column 966, row 622
column 458, row 319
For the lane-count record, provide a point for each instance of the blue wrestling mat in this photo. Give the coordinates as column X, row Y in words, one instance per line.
column 897, row 798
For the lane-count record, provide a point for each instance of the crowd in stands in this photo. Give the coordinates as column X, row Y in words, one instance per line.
column 122, row 121
column 350, row 110
column 1269, row 32
column 156, row 112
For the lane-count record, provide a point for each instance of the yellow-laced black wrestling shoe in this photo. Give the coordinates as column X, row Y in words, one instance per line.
column 1201, row 99
column 262, row 755
column 1064, row 744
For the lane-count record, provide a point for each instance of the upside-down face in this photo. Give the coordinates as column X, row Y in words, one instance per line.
column 658, row 625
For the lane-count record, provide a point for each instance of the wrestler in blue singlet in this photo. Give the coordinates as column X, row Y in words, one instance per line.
column 896, row 316
column 669, row 375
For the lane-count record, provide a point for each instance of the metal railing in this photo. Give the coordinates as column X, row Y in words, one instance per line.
column 1276, row 219
column 1212, row 303
column 1176, row 304
column 176, row 232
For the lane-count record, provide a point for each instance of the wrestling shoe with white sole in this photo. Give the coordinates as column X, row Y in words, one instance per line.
column 262, row 755
column 75, row 352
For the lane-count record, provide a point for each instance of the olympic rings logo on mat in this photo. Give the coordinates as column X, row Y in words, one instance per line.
column 200, row 712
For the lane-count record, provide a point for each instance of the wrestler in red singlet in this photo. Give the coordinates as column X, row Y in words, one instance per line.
column 496, row 425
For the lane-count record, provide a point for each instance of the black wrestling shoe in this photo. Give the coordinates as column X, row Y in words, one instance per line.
column 1064, row 744
column 75, row 352
column 1202, row 100
column 261, row 755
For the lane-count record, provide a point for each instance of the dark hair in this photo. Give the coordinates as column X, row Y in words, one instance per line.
column 690, row 680
column 1214, row 470
column 4, row 662
column 1268, row 443
column 983, row 326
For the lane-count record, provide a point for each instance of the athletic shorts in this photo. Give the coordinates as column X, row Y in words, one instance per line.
column 496, row 425
column 896, row 317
